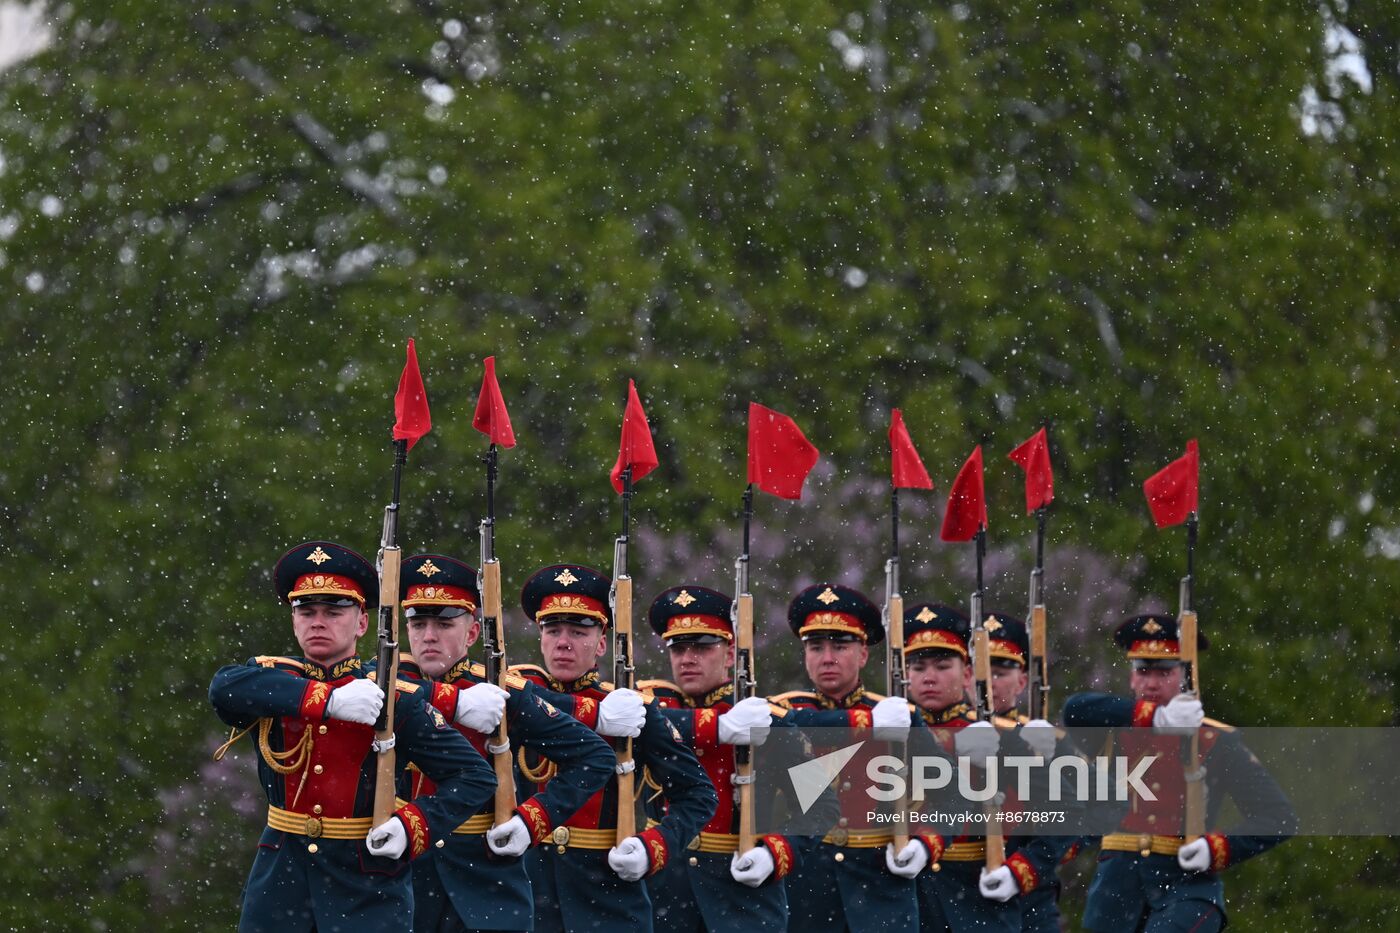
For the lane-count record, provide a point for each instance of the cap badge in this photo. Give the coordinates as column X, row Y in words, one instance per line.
column 1152, row 627
column 429, row 592
column 566, row 577
column 318, row 556
column 826, row 597
column 925, row 615
column 991, row 624
column 684, row 599
column 429, row 568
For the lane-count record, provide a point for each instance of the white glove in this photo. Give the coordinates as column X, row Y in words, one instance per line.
column 746, row 724
column 1039, row 734
column 358, row 701
column 388, row 839
column 1183, row 715
column 1194, row 856
column 622, row 714
column 977, row 743
column 628, row 858
column 510, row 838
column 753, row 867
column 890, row 717
column 998, row 885
column 910, row 860
column 481, row 707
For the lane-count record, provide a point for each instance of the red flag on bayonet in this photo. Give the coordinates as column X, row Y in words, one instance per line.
column 1034, row 457
column 491, row 417
column 1172, row 491
column 411, row 417
column 967, row 504
column 636, row 449
column 906, row 469
column 780, row 456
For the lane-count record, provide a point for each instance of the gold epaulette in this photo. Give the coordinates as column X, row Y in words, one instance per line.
column 648, row 689
column 527, row 669
column 784, row 700
column 1009, row 724
column 403, row 686
column 513, row 680
column 1222, row 726
column 272, row 660
column 877, row 697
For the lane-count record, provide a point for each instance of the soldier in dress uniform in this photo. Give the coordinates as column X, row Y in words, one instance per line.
column 715, row 888
column 850, row 881
column 956, row 892
column 1010, row 646
column 582, row 871
column 1148, row 877
column 320, row 865
column 475, row 879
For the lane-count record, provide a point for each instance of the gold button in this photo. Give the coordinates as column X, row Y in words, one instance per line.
column 694, row 861
column 840, row 856
column 313, row 848
column 935, row 867
column 440, row 843
column 1145, row 853
column 322, row 730
column 559, row 849
column 843, row 822
column 316, row 809
column 318, row 769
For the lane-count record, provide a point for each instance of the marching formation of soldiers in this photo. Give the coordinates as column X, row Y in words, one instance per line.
column 427, row 791
column 446, row 860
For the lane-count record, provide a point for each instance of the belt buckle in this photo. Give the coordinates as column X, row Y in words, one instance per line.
column 314, row 828
column 560, row 836
column 839, row 837
column 694, row 843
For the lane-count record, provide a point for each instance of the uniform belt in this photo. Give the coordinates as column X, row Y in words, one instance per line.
column 476, row 825
column 1141, row 843
column 572, row 836
column 722, row 843
column 329, row 827
column 965, row 852
column 857, row 839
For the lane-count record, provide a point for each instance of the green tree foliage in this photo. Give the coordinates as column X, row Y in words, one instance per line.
column 1138, row 223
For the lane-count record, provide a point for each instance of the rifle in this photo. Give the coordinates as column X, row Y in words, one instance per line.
column 1038, row 693
column 1191, row 685
column 982, row 698
column 623, row 670
column 493, row 643
column 745, row 684
column 388, row 561
column 896, row 679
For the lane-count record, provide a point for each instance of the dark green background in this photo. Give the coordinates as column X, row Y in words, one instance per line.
column 221, row 223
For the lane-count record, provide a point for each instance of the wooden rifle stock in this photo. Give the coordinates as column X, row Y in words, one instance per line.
column 1195, row 774
column 622, row 677
column 499, row 746
column 1039, row 692
column 387, row 677
column 897, row 684
column 744, row 682
column 982, row 671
